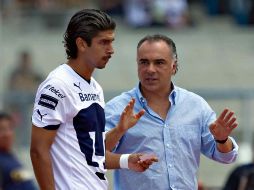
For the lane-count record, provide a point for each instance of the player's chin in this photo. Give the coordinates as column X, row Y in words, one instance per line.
column 101, row 66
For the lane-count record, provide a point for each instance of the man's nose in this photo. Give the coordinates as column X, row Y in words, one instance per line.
column 151, row 67
column 110, row 49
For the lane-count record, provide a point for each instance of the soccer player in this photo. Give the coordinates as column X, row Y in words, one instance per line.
column 68, row 132
column 177, row 126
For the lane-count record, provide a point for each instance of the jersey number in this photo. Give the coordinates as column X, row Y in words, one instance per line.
column 89, row 125
column 97, row 148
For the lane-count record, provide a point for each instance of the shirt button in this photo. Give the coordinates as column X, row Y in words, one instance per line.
column 170, row 165
column 167, row 145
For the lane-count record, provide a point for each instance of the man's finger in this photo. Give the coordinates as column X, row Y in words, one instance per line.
column 231, row 122
column 228, row 116
column 212, row 126
column 140, row 114
column 222, row 115
column 234, row 126
column 131, row 103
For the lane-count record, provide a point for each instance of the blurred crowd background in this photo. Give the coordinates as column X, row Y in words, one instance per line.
column 214, row 39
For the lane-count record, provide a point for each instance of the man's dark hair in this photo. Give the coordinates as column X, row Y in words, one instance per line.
column 160, row 37
column 86, row 24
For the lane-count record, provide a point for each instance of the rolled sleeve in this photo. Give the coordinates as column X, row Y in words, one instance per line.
column 228, row 157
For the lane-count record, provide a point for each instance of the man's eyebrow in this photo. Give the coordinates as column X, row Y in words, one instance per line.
column 143, row 59
column 107, row 39
column 159, row 59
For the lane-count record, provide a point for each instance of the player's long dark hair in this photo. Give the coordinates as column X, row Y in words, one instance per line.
column 86, row 24
column 161, row 37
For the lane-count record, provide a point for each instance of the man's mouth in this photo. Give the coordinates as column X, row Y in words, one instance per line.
column 150, row 79
column 106, row 58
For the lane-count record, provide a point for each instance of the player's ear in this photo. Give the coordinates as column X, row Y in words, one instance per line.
column 81, row 44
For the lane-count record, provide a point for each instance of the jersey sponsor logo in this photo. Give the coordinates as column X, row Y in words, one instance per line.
column 88, row 97
column 48, row 101
column 78, row 86
column 41, row 115
column 55, row 91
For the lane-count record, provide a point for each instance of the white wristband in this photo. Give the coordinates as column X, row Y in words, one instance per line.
column 124, row 161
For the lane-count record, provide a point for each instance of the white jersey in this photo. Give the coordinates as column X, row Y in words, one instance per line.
column 75, row 108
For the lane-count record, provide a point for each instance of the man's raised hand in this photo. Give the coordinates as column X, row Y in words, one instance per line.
column 128, row 118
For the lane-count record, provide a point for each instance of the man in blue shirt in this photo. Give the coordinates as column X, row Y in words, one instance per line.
column 177, row 126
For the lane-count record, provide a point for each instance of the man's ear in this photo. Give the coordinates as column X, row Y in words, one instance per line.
column 81, row 44
column 174, row 66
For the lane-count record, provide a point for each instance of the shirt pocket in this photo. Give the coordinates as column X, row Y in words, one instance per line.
column 189, row 136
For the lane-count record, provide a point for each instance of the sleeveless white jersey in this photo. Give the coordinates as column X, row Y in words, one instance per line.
column 75, row 108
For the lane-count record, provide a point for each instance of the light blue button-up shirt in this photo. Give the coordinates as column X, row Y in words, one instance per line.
column 177, row 141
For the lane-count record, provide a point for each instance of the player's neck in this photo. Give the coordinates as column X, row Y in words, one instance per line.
column 82, row 69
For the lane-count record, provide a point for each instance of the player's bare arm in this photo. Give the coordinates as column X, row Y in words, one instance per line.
column 41, row 142
column 222, row 128
column 127, row 120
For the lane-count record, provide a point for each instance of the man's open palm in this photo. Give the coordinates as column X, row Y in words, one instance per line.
column 224, row 125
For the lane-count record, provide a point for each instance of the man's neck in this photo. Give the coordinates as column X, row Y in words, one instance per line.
column 81, row 68
column 156, row 95
column 158, row 101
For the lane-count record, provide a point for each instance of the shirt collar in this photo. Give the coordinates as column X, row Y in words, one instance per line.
column 140, row 96
column 172, row 95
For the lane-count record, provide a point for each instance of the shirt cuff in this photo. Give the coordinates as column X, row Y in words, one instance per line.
column 228, row 157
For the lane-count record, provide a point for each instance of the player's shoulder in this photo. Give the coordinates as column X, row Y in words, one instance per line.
column 62, row 73
column 55, row 85
column 62, row 77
